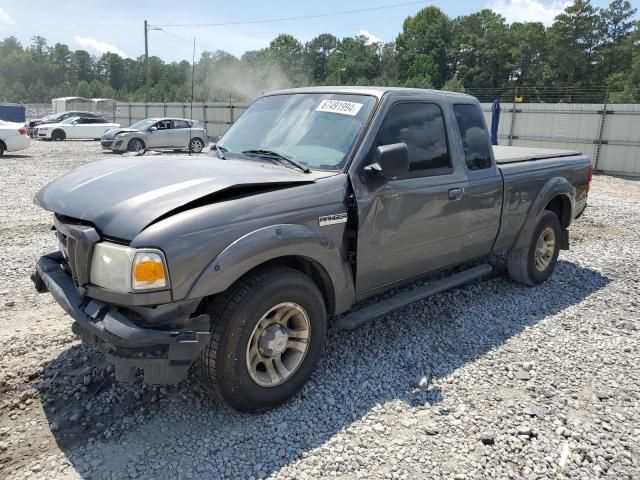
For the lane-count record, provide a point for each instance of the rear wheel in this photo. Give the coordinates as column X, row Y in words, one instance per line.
column 2, row 148
column 267, row 333
column 58, row 135
column 196, row 145
column 135, row 145
column 535, row 263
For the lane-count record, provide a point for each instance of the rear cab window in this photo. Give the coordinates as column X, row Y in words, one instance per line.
column 475, row 137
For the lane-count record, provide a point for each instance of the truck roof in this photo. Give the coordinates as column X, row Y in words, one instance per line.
column 376, row 92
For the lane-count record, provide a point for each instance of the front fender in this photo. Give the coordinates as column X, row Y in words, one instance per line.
column 554, row 187
column 269, row 243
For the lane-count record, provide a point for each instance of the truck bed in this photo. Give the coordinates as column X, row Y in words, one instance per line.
column 505, row 154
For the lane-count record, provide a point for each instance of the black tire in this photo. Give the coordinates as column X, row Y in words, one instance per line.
column 196, row 145
column 235, row 315
column 58, row 135
column 521, row 262
column 136, row 145
column 2, row 149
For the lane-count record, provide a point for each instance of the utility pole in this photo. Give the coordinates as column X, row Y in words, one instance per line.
column 146, row 61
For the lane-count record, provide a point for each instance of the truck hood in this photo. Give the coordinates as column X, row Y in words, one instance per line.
column 112, row 132
column 121, row 197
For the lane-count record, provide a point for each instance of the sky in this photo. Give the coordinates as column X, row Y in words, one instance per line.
column 117, row 26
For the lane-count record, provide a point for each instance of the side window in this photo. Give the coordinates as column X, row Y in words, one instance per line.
column 164, row 124
column 180, row 124
column 475, row 138
column 82, row 121
column 421, row 127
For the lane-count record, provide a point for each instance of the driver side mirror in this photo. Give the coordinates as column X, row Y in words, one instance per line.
column 153, row 129
column 389, row 160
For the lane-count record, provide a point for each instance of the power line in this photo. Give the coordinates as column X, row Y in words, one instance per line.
column 204, row 47
column 301, row 17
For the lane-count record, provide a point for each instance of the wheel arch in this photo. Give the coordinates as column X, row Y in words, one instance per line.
column 295, row 246
column 557, row 195
column 58, row 129
column 561, row 206
column 139, row 138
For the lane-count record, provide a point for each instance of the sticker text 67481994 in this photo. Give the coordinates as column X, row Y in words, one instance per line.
column 339, row 106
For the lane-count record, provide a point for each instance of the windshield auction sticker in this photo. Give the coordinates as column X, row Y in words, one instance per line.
column 339, row 106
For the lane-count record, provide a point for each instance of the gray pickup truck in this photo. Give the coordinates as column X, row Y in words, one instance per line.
column 314, row 200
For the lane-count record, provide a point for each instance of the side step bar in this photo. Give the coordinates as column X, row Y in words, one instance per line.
column 378, row 310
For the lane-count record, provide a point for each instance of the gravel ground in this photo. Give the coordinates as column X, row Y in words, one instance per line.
column 493, row 380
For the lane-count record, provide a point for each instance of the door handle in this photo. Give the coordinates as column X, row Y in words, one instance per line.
column 455, row 194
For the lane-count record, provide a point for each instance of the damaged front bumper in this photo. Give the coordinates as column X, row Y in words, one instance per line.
column 164, row 354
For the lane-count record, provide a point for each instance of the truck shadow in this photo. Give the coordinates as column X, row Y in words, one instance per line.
column 122, row 426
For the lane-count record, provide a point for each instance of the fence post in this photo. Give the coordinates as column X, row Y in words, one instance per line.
column 513, row 117
column 164, row 109
column 204, row 118
column 603, row 119
column 184, row 110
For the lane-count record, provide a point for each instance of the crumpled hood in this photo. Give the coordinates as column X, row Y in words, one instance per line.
column 123, row 196
column 112, row 132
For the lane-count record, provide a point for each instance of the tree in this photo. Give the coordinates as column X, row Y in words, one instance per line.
column 354, row 62
column 81, row 66
column 286, row 51
column 423, row 46
column 616, row 51
column 316, row 56
column 484, row 50
column 618, row 21
column 453, row 85
column 573, row 40
column 529, row 52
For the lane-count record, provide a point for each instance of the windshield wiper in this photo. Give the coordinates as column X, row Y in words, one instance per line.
column 279, row 156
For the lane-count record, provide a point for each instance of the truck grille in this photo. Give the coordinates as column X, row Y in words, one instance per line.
column 76, row 244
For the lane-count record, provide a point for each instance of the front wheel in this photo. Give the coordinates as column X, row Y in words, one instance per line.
column 58, row 136
column 534, row 263
column 267, row 334
column 136, row 145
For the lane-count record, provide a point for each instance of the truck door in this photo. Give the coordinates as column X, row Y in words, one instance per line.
column 417, row 222
column 484, row 189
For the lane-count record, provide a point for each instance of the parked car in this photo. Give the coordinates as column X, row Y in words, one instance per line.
column 157, row 134
column 74, row 128
column 314, row 200
column 13, row 137
column 58, row 117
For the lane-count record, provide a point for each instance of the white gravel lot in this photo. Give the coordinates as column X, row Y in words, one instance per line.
column 493, row 380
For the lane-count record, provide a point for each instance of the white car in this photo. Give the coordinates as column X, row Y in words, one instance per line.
column 13, row 137
column 74, row 128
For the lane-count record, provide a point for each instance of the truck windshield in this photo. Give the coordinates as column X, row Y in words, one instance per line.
column 316, row 130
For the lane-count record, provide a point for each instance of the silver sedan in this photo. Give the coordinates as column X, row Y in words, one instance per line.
column 157, row 134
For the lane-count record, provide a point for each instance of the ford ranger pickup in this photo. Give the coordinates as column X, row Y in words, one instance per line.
column 315, row 199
